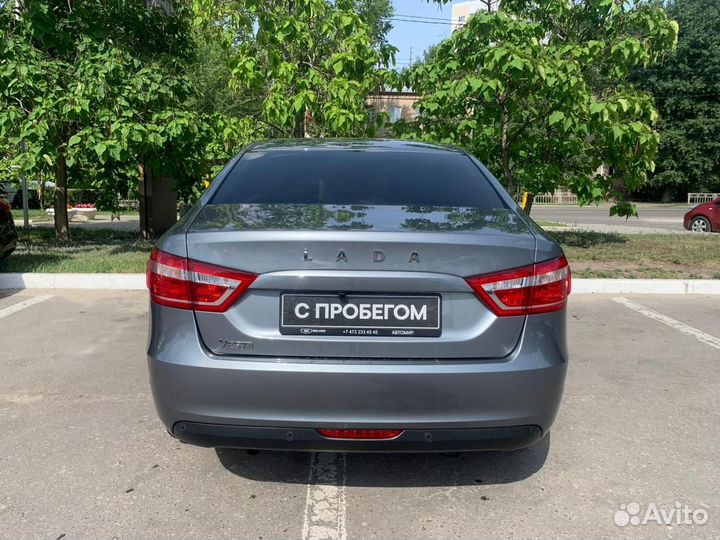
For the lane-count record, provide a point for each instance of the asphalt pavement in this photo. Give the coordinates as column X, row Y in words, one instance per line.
column 652, row 218
column 83, row 455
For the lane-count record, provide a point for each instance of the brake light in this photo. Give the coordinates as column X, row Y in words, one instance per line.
column 186, row 284
column 539, row 288
column 366, row 434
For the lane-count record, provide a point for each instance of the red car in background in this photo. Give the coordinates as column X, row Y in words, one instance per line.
column 704, row 217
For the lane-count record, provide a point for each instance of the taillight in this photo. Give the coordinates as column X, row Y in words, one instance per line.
column 539, row 288
column 360, row 434
column 186, row 284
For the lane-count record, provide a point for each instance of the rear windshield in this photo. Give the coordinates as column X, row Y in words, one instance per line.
column 346, row 177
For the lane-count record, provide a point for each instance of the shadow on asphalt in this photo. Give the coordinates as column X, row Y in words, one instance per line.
column 395, row 470
column 7, row 293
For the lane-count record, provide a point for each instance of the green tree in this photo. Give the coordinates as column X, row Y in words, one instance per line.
column 230, row 111
column 312, row 62
column 686, row 89
column 100, row 90
column 377, row 14
column 539, row 92
column 72, row 72
column 210, row 74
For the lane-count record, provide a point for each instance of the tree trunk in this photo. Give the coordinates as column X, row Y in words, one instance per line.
column 505, row 151
column 299, row 129
column 158, row 203
column 62, row 225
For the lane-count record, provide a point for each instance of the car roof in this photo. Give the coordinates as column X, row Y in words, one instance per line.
column 357, row 145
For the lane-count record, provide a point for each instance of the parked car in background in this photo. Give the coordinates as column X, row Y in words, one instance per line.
column 8, row 233
column 357, row 296
column 33, row 199
column 704, row 217
column 10, row 189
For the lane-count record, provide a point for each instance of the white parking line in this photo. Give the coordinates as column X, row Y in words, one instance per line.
column 677, row 325
column 22, row 305
column 325, row 505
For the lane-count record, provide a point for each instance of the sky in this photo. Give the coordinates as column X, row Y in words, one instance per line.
column 412, row 36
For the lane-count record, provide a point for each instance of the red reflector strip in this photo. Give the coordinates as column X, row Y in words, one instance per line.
column 361, row 434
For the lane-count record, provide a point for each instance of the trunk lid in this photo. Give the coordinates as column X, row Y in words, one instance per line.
column 381, row 252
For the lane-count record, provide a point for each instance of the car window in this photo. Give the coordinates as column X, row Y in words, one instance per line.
column 347, row 177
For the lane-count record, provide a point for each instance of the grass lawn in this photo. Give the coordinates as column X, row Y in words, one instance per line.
column 591, row 254
column 90, row 251
column 648, row 256
column 35, row 215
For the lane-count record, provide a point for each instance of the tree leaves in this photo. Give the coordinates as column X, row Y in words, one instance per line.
column 537, row 91
column 686, row 95
column 105, row 86
column 556, row 117
column 313, row 62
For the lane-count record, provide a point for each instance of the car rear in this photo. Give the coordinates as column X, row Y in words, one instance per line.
column 370, row 296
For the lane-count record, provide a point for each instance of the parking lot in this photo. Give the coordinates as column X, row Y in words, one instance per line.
column 82, row 454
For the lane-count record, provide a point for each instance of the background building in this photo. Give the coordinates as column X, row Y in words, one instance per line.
column 398, row 105
column 462, row 10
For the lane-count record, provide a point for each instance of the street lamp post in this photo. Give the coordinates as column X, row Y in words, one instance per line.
column 26, row 212
column 25, row 199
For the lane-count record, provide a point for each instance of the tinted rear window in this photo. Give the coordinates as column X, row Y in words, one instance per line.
column 346, row 177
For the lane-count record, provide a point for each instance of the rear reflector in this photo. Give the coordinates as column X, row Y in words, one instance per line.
column 539, row 288
column 186, row 284
column 360, row 434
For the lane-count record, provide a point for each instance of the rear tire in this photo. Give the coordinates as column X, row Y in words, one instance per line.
column 700, row 224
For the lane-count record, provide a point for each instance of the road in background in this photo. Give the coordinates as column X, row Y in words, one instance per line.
column 83, row 455
column 658, row 218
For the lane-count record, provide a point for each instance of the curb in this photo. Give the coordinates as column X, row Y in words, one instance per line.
column 136, row 282
column 121, row 282
column 646, row 286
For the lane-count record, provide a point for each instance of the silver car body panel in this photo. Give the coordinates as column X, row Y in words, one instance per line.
column 190, row 383
column 236, row 369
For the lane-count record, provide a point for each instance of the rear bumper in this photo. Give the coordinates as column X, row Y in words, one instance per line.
column 254, row 402
column 307, row 439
